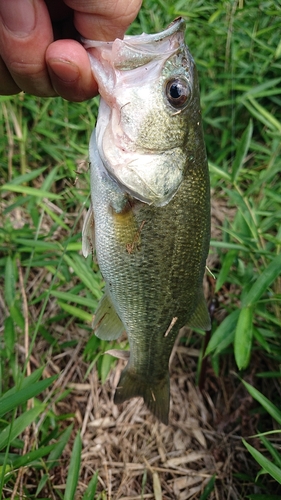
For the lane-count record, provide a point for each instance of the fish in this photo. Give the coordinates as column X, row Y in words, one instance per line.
column 149, row 219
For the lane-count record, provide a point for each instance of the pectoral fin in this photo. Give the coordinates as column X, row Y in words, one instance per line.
column 107, row 324
column 200, row 318
column 88, row 233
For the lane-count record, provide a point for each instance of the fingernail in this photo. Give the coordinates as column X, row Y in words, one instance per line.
column 18, row 16
column 64, row 70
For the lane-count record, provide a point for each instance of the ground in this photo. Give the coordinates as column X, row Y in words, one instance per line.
column 199, row 455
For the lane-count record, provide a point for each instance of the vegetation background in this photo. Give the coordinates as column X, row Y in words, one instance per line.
column 48, row 291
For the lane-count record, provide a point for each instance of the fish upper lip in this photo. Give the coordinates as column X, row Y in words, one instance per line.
column 175, row 26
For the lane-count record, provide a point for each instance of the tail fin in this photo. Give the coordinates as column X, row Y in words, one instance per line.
column 156, row 395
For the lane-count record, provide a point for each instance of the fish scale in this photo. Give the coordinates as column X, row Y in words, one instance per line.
column 151, row 234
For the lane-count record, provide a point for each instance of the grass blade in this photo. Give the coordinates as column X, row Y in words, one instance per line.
column 21, row 179
column 59, row 447
column 77, row 299
column 92, row 486
column 9, row 336
column 8, row 402
column 75, row 311
column 81, row 269
column 242, row 150
column 33, row 455
column 19, row 425
column 267, row 466
column 224, row 330
column 208, row 489
column 37, row 193
column 31, row 379
column 10, row 282
column 243, row 338
column 267, row 405
column 263, row 115
column 228, row 260
column 41, row 484
column 74, row 469
column 272, row 450
column 263, row 282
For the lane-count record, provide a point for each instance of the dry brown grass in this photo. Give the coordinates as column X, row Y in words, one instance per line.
column 136, row 456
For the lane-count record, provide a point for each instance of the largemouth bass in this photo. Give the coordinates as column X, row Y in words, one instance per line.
column 150, row 215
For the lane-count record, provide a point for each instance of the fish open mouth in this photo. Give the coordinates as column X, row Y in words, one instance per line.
column 131, row 83
column 135, row 51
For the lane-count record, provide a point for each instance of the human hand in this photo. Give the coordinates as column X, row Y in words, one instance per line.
column 38, row 50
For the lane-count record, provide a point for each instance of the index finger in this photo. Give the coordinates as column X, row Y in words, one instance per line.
column 94, row 19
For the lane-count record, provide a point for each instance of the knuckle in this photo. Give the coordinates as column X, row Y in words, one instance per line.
column 32, row 78
column 26, row 69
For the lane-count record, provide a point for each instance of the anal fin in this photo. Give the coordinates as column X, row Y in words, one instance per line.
column 107, row 324
column 200, row 318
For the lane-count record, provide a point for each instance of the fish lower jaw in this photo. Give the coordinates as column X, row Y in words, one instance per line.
column 137, row 176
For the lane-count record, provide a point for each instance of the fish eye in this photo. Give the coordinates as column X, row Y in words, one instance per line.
column 177, row 92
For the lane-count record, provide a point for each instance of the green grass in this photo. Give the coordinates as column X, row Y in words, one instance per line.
column 45, row 189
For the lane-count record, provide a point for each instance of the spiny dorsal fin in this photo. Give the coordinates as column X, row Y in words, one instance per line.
column 88, row 233
column 200, row 318
column 107, row 324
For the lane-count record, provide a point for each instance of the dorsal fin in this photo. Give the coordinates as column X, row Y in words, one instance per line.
column 88, row 233
column 200, row 318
